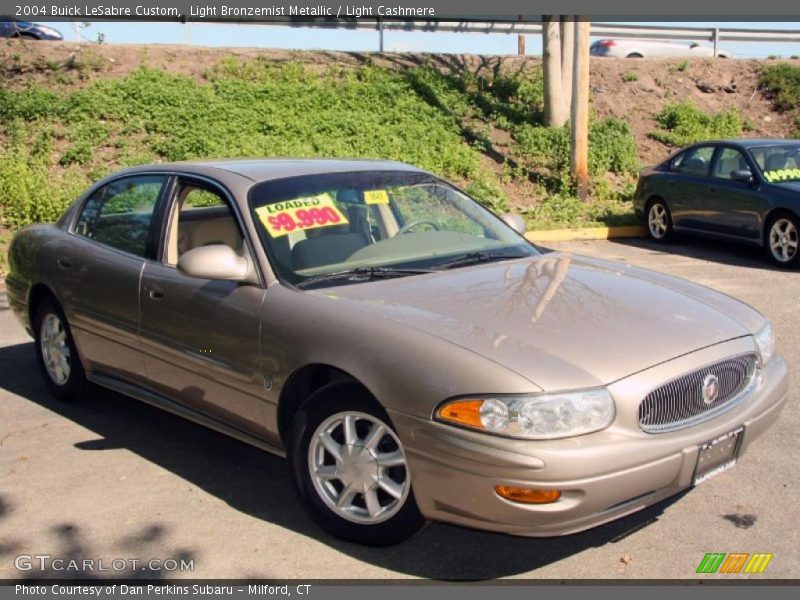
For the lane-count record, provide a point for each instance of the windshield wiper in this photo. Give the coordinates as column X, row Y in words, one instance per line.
column 362, row 274
column 474, row 258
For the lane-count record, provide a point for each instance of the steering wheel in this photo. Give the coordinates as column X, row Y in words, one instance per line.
column 405, row 228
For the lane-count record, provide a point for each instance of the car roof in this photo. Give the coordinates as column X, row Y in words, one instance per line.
column 755, row 142
column 266, row 169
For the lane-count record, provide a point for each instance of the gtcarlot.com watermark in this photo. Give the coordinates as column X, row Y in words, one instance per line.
column 49, row 564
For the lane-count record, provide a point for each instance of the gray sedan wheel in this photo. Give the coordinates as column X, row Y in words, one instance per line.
column 351, row 469
column 659, row 221
column 783, row 239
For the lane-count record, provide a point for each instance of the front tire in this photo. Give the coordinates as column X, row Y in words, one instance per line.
column 57, row 354
column 351, row 470
column 781, row 240
column 659, row 221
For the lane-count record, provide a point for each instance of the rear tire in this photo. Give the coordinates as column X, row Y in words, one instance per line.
column 350, row 468
column 782, row 239
column 57, row 354
column 659, row 220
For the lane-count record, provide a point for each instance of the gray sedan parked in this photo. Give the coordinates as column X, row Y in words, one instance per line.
column 742, row 190
column 412, row 354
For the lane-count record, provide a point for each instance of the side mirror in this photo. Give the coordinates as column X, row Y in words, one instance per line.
column 743, row 175
column 516, row 222
column 215, row 261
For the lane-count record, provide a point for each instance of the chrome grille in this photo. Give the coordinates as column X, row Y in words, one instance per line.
column 679, row 403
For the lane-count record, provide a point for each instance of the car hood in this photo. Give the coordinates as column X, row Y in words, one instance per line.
column 558, row 320
column 788, row 185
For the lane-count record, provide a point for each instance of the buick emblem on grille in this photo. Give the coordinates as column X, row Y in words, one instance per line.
column 710, row 388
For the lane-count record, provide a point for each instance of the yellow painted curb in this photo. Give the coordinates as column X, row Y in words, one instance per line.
column 589, row 233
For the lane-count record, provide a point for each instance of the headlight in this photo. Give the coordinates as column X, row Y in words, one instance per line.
column 537, row 417
column 765, row 341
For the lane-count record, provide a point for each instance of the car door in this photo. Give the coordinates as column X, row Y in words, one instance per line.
column 6, row 29
column 686, row 185
column 731, row 207
column 99, row 266
column 200, row 337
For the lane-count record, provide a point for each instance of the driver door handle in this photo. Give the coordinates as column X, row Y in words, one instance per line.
column 155, row 292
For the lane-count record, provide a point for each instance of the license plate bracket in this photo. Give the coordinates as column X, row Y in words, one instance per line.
column 717, row 455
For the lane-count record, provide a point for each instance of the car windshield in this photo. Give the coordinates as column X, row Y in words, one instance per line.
column 778, row 163
column 340, row 228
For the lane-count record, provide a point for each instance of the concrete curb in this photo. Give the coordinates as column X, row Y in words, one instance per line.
column 589, row 233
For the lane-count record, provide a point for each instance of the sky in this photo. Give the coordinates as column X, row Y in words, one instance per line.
column 262, row 36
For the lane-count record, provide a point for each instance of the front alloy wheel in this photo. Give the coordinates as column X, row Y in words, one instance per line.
column 351, row 469
column 659, row 222
column 358, row 467
column 782, row 241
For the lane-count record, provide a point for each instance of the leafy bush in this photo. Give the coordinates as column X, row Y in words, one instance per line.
column 684, row 124
column 782, row 83
column 611, row 147
column 30, row 190
column 251, row 109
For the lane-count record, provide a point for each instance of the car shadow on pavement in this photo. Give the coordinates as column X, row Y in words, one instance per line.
column 715, row 251
column 258, row 484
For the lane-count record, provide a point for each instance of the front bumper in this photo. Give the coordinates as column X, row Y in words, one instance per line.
column 603, row 476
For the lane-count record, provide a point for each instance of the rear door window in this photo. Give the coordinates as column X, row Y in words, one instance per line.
column 119, row 215
column 695, row 161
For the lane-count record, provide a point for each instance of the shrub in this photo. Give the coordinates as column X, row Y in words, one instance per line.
column 252, row 109
column 684, row 124
column 781, row 82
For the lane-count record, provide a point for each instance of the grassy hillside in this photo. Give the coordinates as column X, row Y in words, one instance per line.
column 70, row 114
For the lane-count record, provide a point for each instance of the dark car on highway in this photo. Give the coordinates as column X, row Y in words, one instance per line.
column 741, row 190
column 27, row 30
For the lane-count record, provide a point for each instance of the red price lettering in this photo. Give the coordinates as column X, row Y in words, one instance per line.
column 283, row 221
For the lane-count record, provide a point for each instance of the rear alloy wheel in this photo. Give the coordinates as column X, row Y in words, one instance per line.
column 351, row 469
column 782, row 241
column 56, row 353
column 659, row 221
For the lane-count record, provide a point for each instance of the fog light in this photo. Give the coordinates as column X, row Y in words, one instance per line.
column 527, row 495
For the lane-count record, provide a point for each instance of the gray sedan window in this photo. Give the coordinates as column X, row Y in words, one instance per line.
column 728, row 161
column 695, row 161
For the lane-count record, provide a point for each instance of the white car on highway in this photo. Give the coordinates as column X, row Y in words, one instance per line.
column 617, row 48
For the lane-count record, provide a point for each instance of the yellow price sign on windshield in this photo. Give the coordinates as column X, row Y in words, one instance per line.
column 376, row 197
column 782, row 175
column 282, row 218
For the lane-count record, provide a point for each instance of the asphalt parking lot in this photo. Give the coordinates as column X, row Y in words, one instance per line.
column 113, row 478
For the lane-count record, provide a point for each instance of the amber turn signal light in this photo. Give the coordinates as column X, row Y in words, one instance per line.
column 463, row 412
column 527, row 495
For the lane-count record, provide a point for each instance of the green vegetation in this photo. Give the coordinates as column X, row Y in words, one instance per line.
column 782, row 83
column 682, row 66
column 630, row 76
column 56, row 143
column 684, row 123
column 57, row 138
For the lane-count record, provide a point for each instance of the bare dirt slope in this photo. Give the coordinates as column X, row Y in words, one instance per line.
column 632, row 89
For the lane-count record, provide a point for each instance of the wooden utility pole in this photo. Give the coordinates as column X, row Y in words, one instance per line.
column 521, row 45
column 555, row 114
column 567, row 54
column 579, row 156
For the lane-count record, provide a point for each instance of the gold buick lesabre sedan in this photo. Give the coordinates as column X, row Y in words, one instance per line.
column 413, row 356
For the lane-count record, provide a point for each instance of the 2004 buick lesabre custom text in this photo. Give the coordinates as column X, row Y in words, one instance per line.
column 411, row 353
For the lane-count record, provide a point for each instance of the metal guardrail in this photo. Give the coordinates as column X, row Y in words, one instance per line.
column 695, row 34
